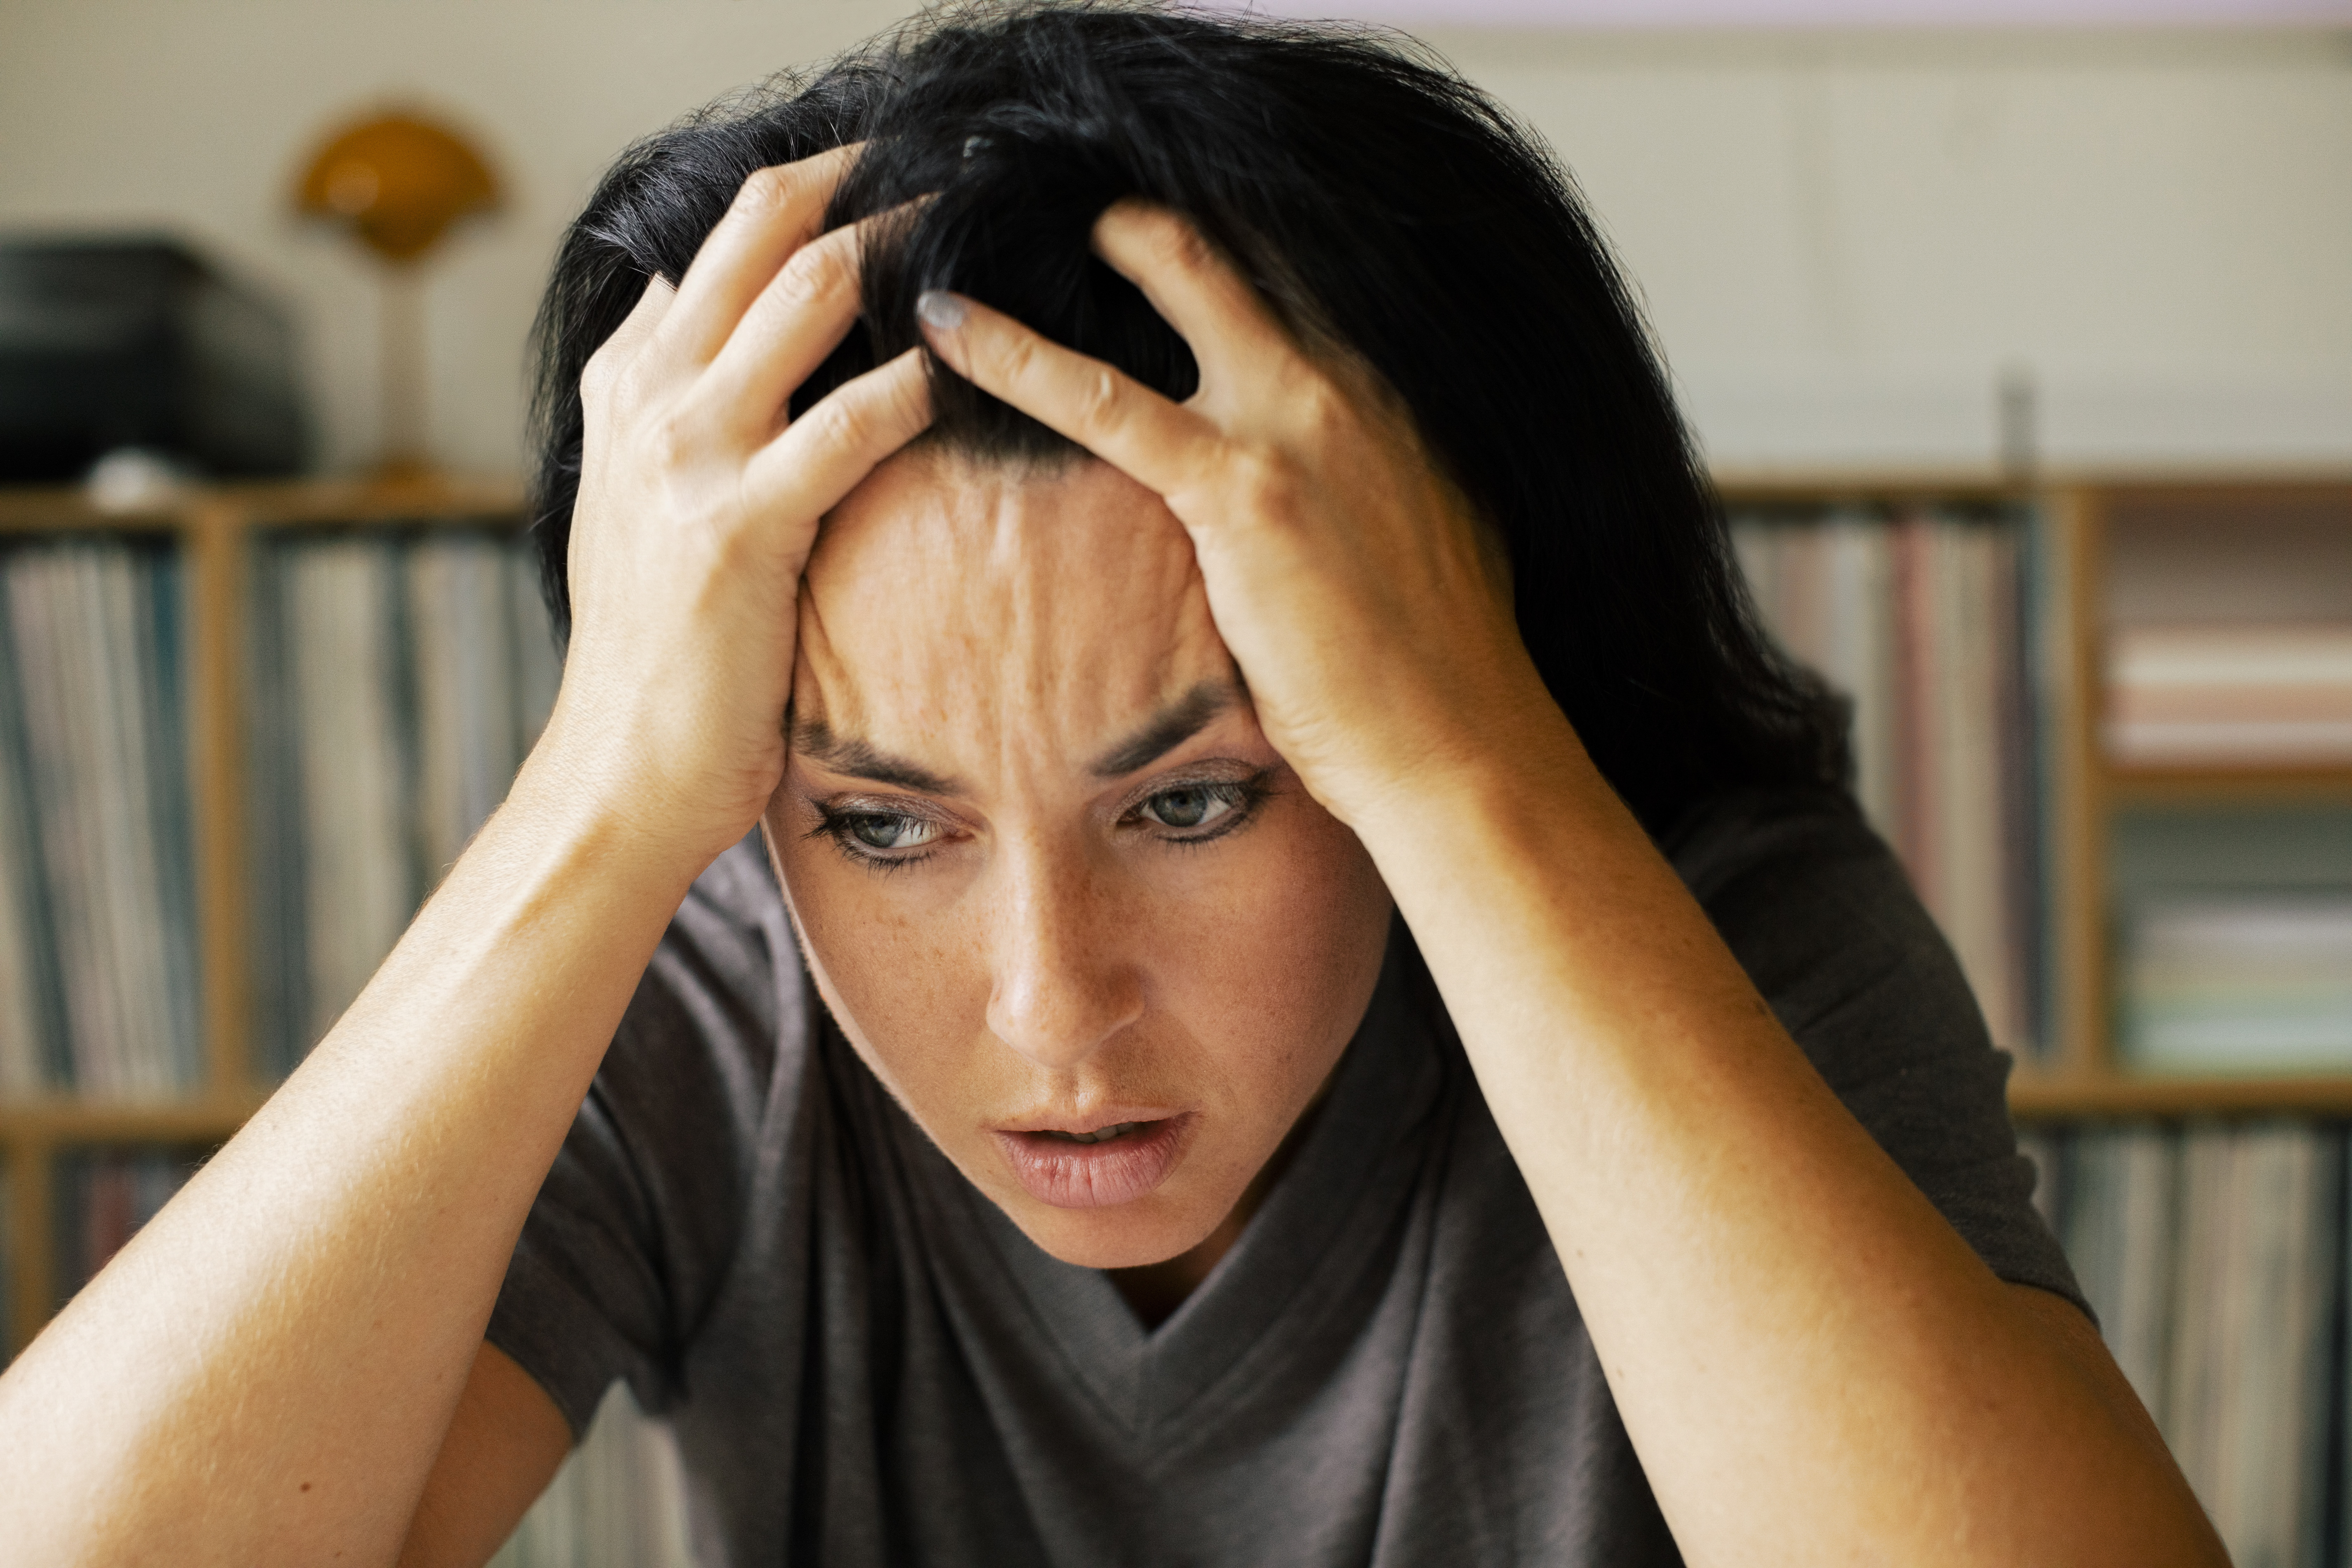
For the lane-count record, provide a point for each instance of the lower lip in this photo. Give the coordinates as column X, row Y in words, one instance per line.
column 1095, row 1175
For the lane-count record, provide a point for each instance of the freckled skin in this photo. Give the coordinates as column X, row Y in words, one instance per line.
column 1054, row 954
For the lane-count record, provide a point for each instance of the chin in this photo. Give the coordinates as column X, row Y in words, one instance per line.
column 1131, row 1235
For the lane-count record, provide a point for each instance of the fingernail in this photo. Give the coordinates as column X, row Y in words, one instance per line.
column 938, row 309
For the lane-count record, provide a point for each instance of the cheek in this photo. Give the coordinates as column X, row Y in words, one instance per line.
column 897, row 968
column 1287, row 951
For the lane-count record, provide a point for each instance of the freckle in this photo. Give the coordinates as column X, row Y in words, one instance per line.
column 305, row 1486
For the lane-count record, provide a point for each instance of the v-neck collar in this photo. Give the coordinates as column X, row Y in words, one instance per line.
column 1312, row 1233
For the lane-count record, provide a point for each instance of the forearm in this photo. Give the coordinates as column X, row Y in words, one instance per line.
column 1811, row 1363
column 264, row 1375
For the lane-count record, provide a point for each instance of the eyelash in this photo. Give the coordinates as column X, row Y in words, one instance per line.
column 1243, row 795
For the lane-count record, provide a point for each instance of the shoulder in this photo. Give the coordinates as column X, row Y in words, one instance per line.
column 725, row 984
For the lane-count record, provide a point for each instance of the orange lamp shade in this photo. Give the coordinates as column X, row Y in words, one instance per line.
column 400, row 181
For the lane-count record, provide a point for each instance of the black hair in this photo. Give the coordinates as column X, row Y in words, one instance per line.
column 1379, row 202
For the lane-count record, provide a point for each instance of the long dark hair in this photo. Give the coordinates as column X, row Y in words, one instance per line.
column 1377, row 199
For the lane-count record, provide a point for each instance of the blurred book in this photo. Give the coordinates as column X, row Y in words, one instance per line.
column 2247, row 695
column 98, row 939
column 2212, row 1257
column 2230, row 983
column 399, row 679
column 1925, row 621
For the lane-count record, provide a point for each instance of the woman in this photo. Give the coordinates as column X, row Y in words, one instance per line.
column 1355, row 1022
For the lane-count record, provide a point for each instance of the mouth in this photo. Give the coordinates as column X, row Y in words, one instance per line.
column 1097, row 1167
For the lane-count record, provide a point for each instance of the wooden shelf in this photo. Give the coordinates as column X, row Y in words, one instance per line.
column 2137, row 784
column 65, row 1121
column 436, row 499
column 2037, row 1097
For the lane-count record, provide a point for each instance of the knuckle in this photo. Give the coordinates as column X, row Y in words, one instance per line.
column 815, row 273
column 1101, row 399
column 1261, row 476
column 841, row 422
column 764, row 190
column 668, row 442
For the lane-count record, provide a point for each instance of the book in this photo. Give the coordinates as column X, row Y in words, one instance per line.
column 2229, row 695
column 2245, row 982
column 2212, row 1255
column 107, row 883
column 1925, row 621
column 400, row 676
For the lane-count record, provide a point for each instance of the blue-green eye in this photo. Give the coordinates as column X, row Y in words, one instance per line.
column 1193, row 806
column 876, row 831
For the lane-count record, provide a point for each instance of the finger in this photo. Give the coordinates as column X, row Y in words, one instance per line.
column 1163, row 444
column 820, row 457
column 799, row 318
column 777, row 211
column 1196, row 288
column 621, row 345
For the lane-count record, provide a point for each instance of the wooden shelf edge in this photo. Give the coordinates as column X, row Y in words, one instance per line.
column 2142, row 785
column 2036, row 1097
column 62, row 1121
column 269, row 504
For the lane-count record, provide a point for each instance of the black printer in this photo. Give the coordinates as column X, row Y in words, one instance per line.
column 107, row 343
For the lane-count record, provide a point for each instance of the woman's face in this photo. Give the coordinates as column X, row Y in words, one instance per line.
column 1064, row 898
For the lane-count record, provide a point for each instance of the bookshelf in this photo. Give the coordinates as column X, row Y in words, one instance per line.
column 2078, row 1074
column 2080, row 524
column 215, row 532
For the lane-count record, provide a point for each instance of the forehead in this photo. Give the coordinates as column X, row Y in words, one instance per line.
column 953, row 611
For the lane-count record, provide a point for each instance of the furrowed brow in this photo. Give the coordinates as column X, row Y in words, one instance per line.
column 852, row 757
column 1174, row 725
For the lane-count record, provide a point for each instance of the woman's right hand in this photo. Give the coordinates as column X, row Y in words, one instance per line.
column 698, row 506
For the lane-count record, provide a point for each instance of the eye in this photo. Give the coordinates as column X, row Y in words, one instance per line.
column 877, row 830
column 1193, row 806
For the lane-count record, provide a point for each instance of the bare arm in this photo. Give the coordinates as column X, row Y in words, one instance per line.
column 266, row 1374
column 1812, row 1365
column 503, row 1446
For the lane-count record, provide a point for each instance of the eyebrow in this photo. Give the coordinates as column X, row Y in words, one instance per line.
column 1175, row 724
column 853, row 757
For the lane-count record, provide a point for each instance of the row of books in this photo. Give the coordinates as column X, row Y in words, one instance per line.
column 2238, row 981
column 2213, row 1256
column 2229, row 695
column 399, row 680
column 98, row 986
column 1925, row 619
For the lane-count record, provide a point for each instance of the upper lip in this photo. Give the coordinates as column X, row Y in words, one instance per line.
column 1093, row 1119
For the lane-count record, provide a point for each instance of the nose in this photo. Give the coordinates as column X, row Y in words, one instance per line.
column 1060, row 983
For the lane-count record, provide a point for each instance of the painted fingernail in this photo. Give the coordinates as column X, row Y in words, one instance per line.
column 938, row 309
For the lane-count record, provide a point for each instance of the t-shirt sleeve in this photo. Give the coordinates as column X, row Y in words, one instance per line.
column 633, row 1228
column 1823, row 919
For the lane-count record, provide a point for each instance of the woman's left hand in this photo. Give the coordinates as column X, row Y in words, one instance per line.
column 1369, row 609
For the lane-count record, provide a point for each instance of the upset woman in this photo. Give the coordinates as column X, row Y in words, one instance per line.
column 1194, row 925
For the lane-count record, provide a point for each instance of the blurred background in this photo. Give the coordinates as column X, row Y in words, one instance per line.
column 2017, row 334
column 1847, row 236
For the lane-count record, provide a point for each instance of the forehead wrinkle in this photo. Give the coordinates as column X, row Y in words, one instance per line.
column 1006, row 623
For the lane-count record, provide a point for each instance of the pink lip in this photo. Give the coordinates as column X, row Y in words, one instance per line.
column 1096, row 1175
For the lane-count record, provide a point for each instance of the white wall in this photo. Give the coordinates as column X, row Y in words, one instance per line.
column 1843, row 238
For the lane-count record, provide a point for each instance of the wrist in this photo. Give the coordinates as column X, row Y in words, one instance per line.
column 601, row 822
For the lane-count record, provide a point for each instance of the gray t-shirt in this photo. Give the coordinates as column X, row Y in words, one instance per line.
column 865, row 1362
